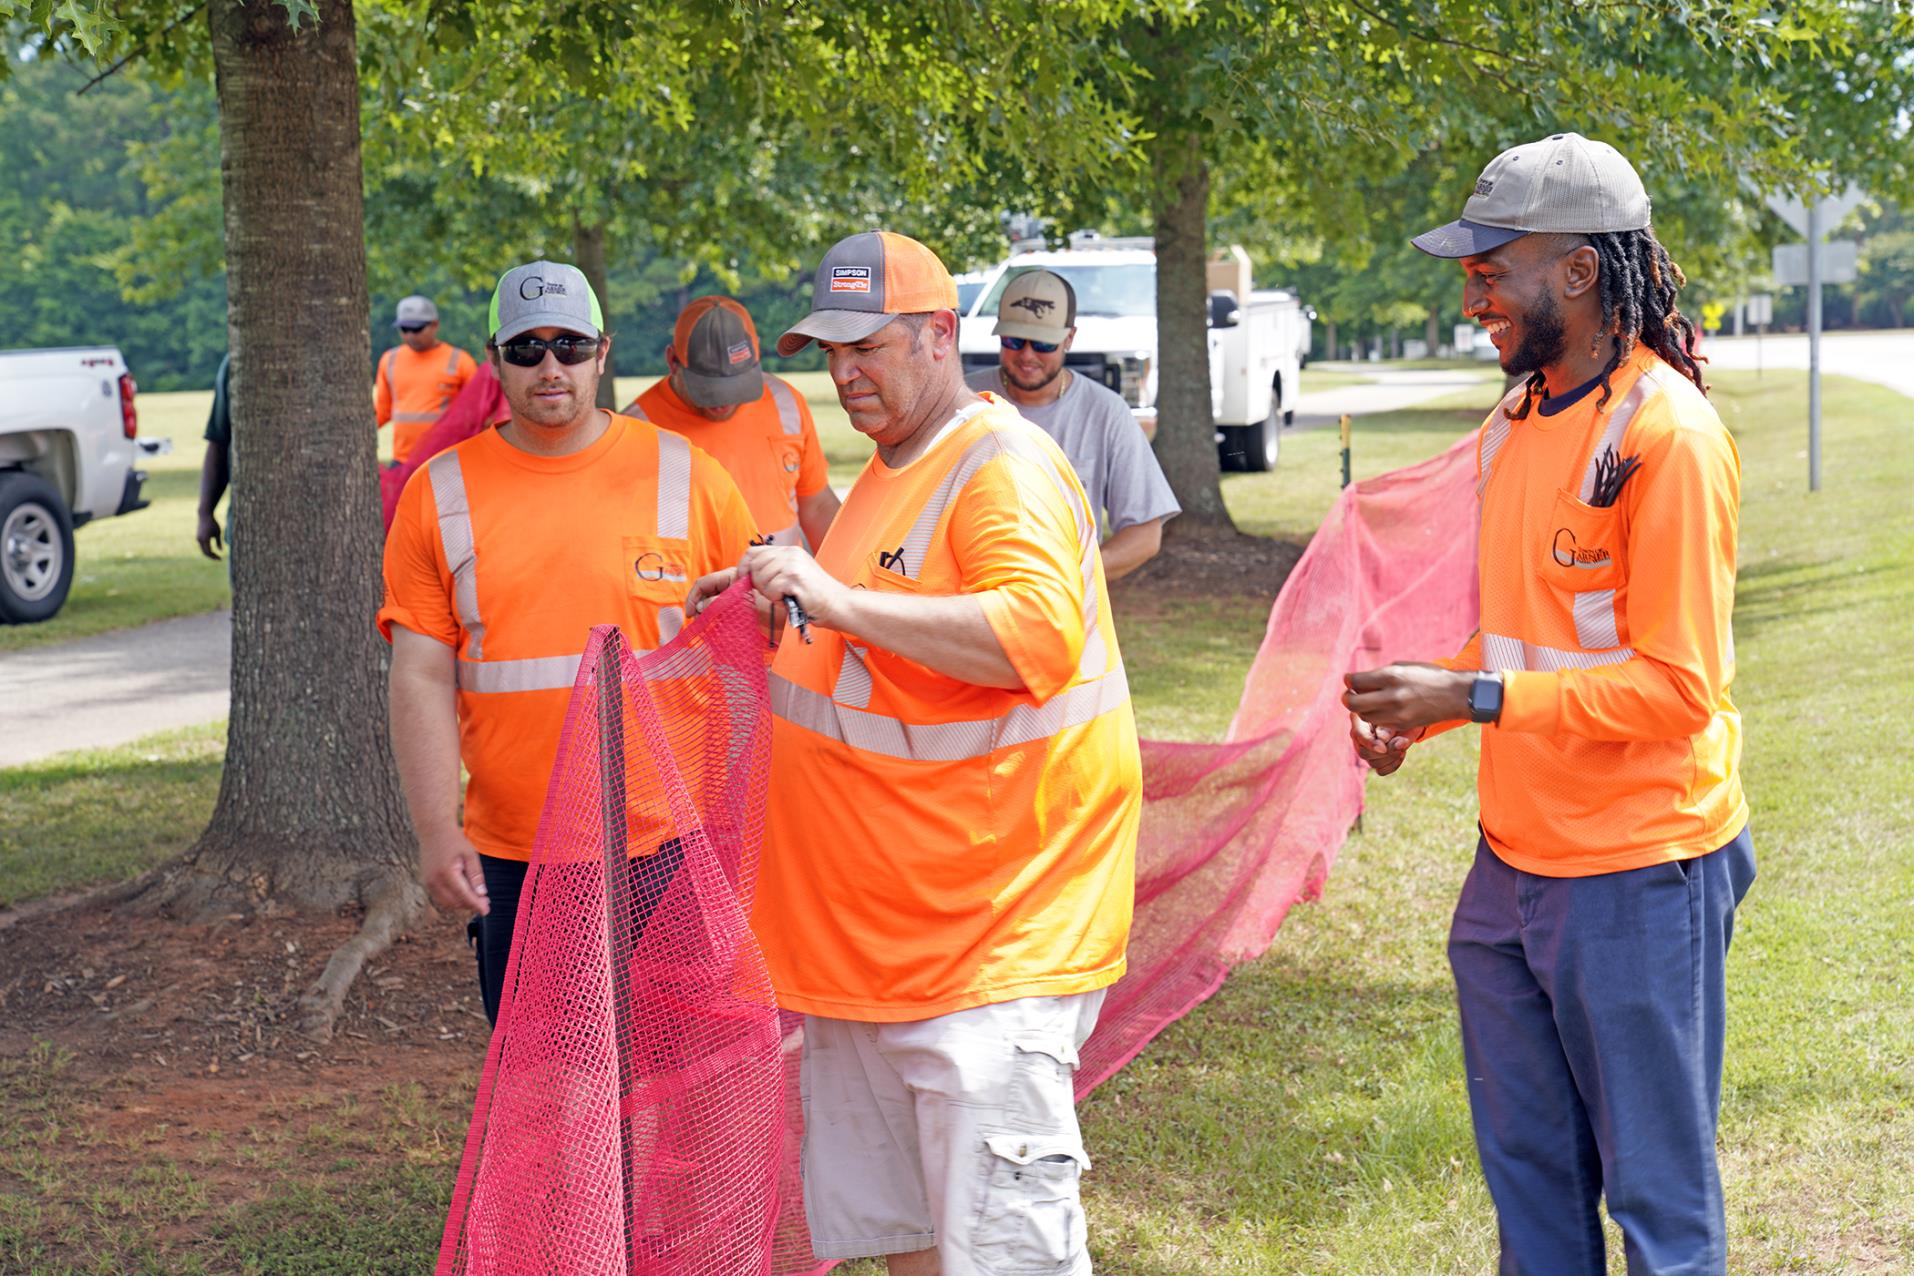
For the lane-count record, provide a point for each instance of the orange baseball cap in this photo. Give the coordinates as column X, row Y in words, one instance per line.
column 864, row 282
column 717, row 348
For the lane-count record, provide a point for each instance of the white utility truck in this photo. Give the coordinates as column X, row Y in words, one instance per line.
column 1257, row 338
column 68, row 447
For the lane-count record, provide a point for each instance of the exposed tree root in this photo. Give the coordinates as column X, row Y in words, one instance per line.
column 394, row 903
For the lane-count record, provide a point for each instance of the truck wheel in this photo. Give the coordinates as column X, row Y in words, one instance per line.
column 36, row 548
column 1249, row 447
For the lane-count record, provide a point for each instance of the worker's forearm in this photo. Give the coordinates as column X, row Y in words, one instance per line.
column 946, row 634
column 1132, row 547
column 212, row 478
column 815, row 513
column 425, row 743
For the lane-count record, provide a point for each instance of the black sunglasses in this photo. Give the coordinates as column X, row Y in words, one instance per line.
column 529, row 352
column 1041, row 347
column 413, row 327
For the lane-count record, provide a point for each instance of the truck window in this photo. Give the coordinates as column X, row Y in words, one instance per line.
column 967, row 294
column 1101, row 290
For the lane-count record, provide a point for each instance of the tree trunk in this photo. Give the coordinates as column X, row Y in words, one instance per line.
column 588, row 244
column 1185, row 425
column 1329, row 341
column 1432, row 332
column 310, row 816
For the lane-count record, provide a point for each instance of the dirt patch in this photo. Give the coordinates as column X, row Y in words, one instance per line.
column 1229, row 568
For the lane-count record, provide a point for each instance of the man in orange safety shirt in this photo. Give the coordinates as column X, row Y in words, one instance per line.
column 505, row 551
column 949, row 853
column 1590, row 941
column 416, row 379
column 756, row 425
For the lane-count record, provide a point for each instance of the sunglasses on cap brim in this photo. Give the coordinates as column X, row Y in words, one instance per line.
column 1018, row 343
column 529, row 352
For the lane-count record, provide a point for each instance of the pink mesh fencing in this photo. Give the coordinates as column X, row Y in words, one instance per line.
column 632, row 1112
column 639, row 1107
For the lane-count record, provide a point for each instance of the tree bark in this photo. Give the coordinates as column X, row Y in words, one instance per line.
column 1185, row 424
column 1329, row 341
column 310, row 816
column 588, row 244
column 1432, row 333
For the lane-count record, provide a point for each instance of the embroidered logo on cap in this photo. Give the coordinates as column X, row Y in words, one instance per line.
column 850, row 279
column 740, row 353
column 1484, row 186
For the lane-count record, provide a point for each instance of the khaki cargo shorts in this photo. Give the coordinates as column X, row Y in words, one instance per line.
column 957, row 1133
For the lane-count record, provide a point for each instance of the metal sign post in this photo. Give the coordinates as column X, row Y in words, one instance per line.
column 1824, row 263
column 1814, row 346
column 1345, row 449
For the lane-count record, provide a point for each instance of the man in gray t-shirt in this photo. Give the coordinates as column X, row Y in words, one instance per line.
column 1036, row 321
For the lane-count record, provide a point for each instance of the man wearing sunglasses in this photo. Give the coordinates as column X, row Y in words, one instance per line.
column 417, row 378
column 504, row 552
column 1036, row 322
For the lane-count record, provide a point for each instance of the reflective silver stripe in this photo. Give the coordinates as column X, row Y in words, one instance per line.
column 670, row 621
column 1612, row 432
column 674, row 486
column 786, row 398
column 947, row 741
column 415, row 418
column 455, row 537
column 390, row 355
column 451, row 361
column 1495, row 432
column 853, row 684
column 633, row 410
column 539, row 673
column 1500, row 654
column 1595, row 623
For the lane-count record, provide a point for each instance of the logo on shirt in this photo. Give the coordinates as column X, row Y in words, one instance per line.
column 1569, row 554
column 740, row 353
column 652, row 566
column 850, row 279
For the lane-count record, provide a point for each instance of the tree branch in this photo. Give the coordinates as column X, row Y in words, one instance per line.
column 143, row 46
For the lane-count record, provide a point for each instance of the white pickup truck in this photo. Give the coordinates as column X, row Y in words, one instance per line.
column 68, row 444
column 1258, row 338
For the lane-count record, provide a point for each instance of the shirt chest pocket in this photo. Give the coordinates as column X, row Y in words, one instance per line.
column 657, row 570
column 787, row 456
column 1582, row 546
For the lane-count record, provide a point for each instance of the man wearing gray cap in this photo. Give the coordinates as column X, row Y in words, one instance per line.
column 1036, row 322
column 417, row 378
column 1590, row 941
column 949, row 852
column 756, row 425
column 504, row 551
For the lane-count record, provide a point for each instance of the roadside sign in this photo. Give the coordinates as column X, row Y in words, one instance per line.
column 1711, row 313
column 1839, row 259
column 1832, row 211
column 1760, row 309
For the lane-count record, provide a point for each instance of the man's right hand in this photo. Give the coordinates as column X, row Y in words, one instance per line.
column 708, row 587
column 1382, row 749
column 208, row 535
column 449, row 870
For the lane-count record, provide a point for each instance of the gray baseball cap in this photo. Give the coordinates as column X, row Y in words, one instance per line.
column 864, row 282
column 717, row 348
column 1564, row 183
column 1038, row 305
column 415, row 311
column 544, row 294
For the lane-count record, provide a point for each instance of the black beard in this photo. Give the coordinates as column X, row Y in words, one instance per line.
column 1544, row 339
column 1027, row 387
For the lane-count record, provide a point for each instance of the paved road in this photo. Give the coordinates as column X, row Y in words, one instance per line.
column 1886, row 358
column 1392, row 391
column 114, row 687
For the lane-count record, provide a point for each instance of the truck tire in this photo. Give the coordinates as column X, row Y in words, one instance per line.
column 1251, row 448
column 36, row 548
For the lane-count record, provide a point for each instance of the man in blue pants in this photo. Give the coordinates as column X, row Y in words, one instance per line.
column 1590, row 941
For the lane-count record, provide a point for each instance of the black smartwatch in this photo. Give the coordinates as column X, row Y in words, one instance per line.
column 1485, row 698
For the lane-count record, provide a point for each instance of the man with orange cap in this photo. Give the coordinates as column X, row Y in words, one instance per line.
column 950, row 841
column 756, row 425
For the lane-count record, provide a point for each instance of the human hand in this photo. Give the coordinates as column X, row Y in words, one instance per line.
column 781, row 571
column 208, row 535
column 1405, row 697
column 449, row 871
column 1382, row 750
column 708, row 587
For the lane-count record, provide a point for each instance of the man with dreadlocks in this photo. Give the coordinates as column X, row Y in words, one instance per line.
column 1591, row 936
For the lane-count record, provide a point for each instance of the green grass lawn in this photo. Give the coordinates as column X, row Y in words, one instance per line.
column 1311, row 1117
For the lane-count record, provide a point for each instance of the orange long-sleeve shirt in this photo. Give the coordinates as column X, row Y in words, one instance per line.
column 1618, row 745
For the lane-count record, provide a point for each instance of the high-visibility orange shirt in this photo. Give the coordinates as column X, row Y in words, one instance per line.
column 1618, row 745
column 411, row 388
column 511, row 559
column 933, row 845
column 769, row 447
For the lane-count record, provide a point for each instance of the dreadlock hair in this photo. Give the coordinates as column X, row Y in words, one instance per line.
column 1638, row 281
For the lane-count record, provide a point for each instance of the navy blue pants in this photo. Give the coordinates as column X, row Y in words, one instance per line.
column 1593, row 1013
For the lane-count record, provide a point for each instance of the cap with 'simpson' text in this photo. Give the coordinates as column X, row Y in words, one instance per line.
column 1564, row 183
column 864, row 282
column 544, row 294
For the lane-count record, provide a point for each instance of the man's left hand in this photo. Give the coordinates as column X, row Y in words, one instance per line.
column 1404, row 698
column 780, row 570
